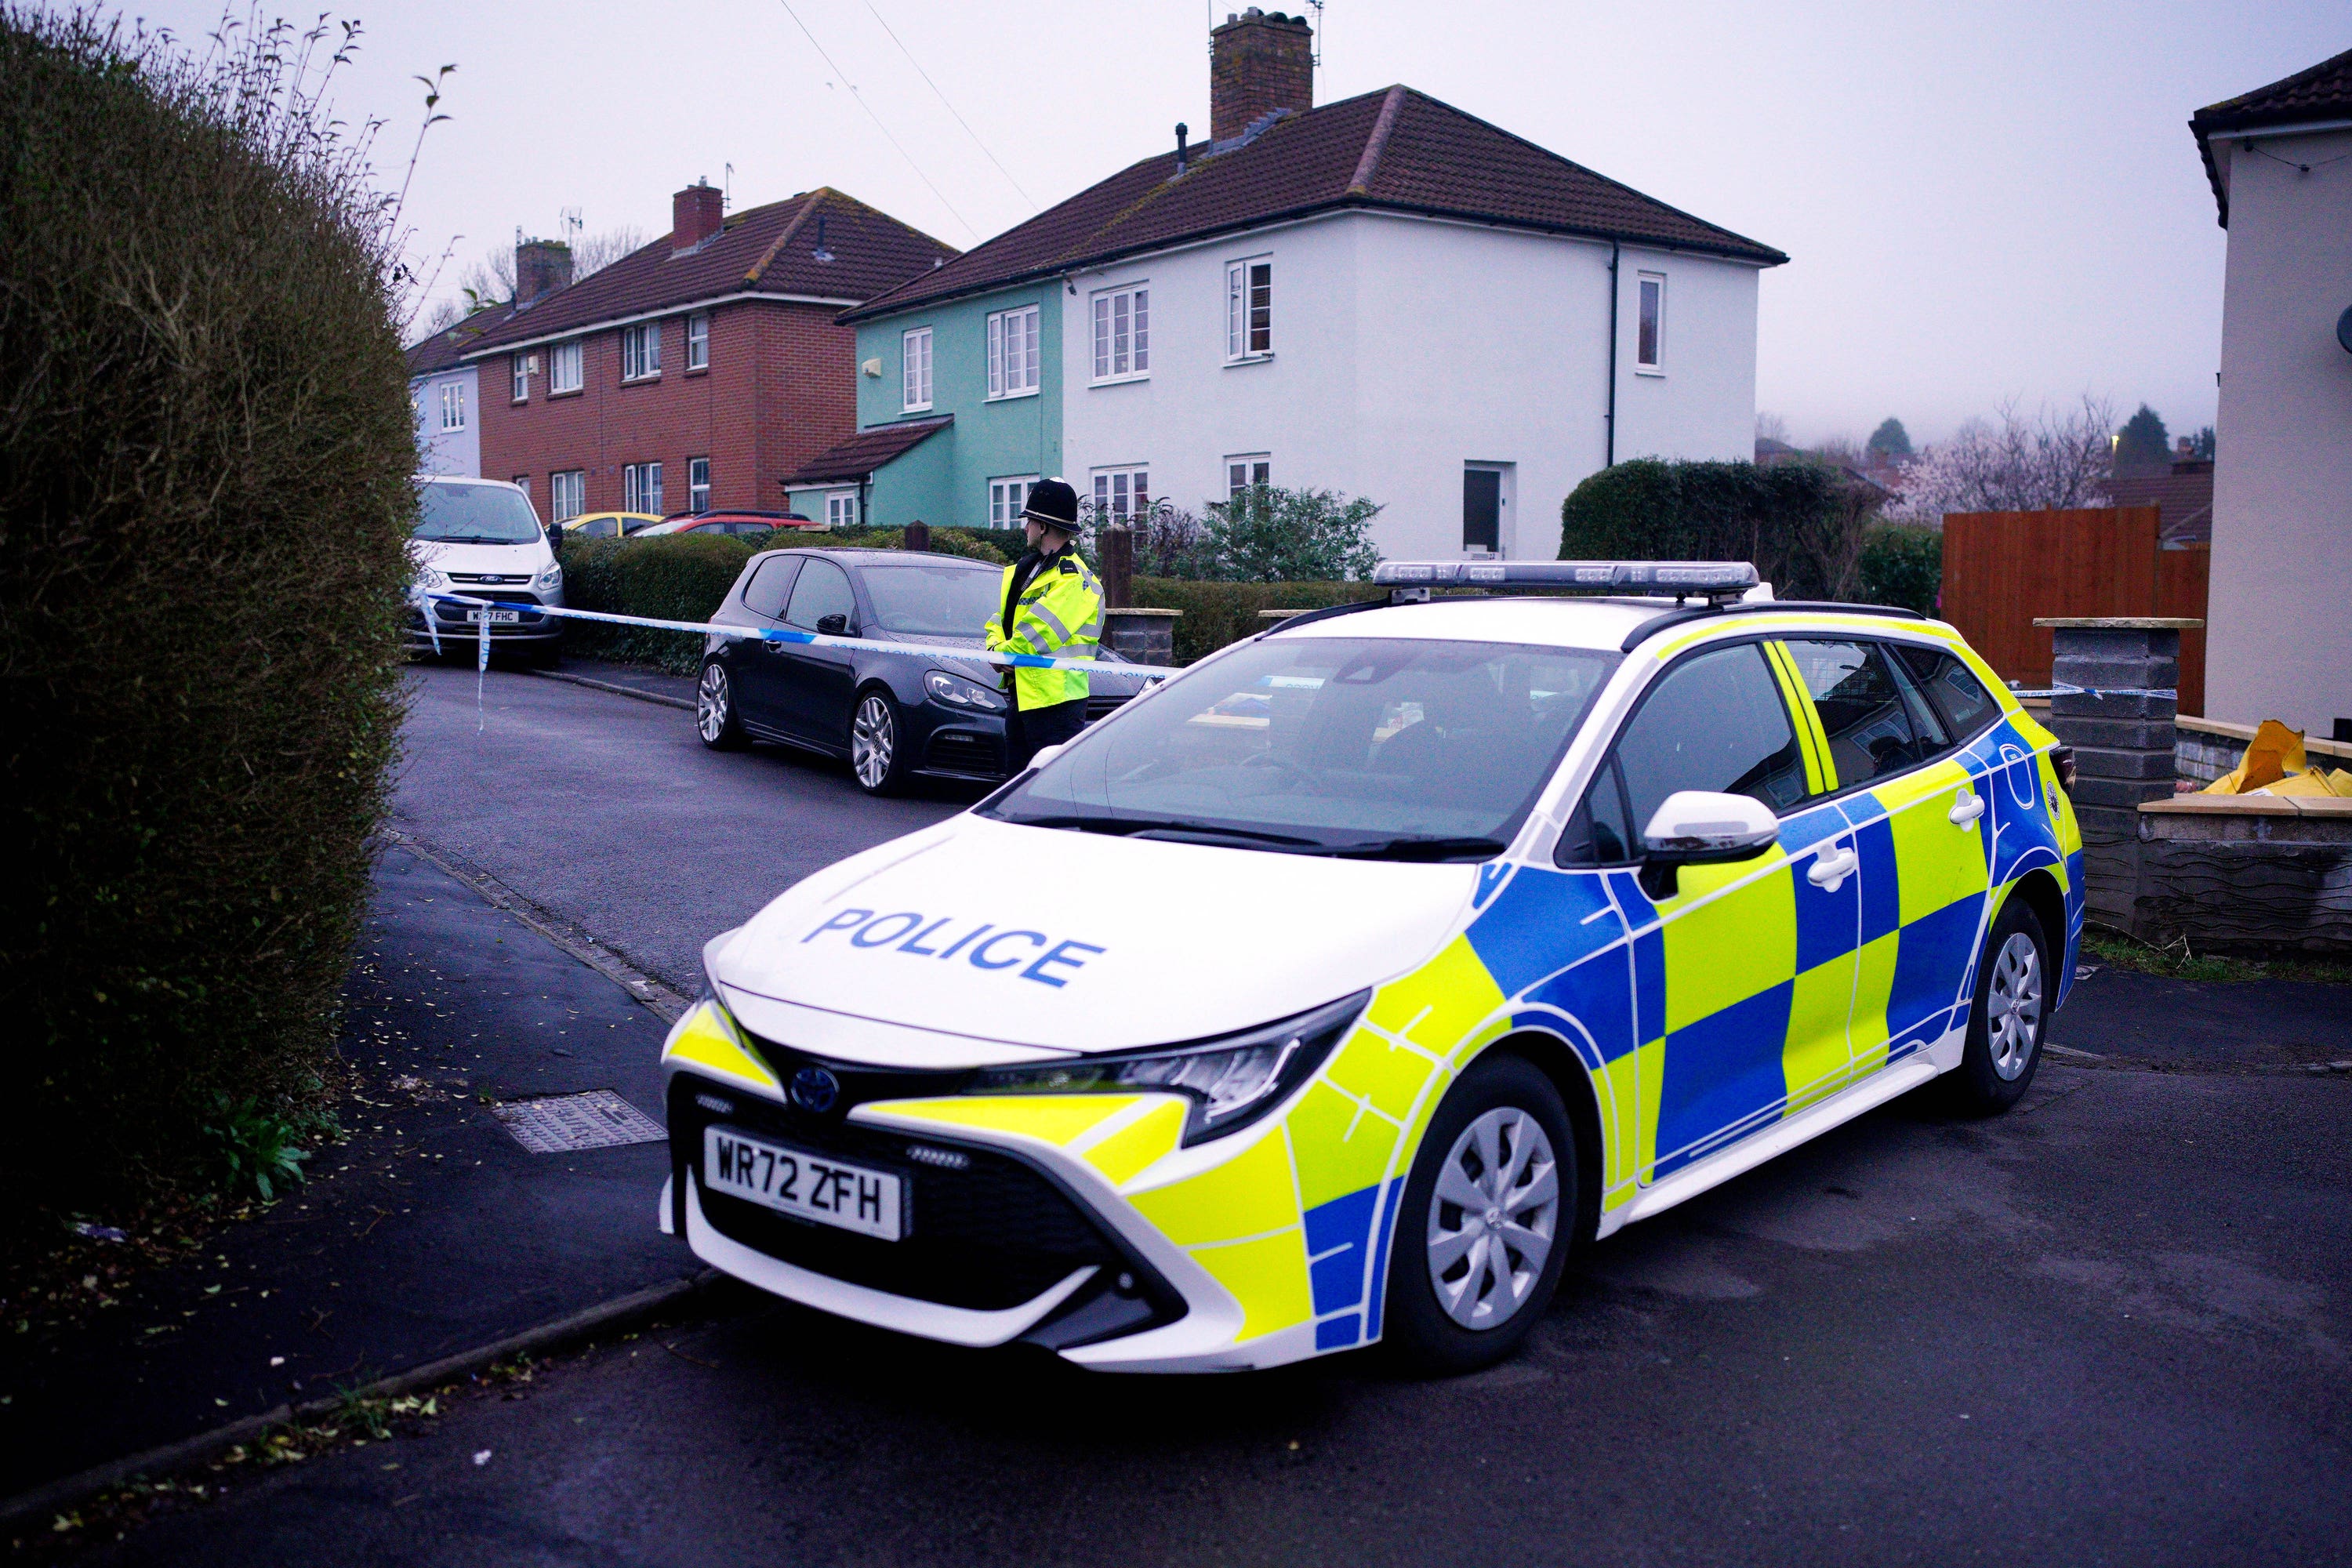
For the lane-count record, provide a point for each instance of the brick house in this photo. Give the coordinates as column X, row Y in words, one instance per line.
column 695, row 372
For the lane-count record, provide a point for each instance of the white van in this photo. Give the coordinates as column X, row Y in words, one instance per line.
column 481, row 538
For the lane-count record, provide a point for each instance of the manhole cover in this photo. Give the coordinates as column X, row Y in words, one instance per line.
column 562, row 1123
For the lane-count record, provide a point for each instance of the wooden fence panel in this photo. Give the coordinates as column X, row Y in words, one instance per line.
column 2180, row 579
column 2003, row 569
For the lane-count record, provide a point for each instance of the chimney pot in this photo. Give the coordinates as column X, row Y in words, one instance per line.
column 696, row 214
column 1182, row 132
column 1258, row 63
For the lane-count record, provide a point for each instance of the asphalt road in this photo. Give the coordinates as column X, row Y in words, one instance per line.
column 2111, row 1327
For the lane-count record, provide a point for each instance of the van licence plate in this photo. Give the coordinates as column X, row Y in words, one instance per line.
column 495, row 617
column 806, row 1186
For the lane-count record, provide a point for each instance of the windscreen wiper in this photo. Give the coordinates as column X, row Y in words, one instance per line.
column 1413, row 848
column 1171, row 827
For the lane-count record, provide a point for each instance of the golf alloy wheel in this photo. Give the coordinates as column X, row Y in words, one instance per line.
column 1493, row 1218
column 714, row 708
column 874, row 742
column 2013, row 1007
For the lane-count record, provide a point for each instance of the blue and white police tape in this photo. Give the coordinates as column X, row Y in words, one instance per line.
column 788, row 635
column 2096, row 693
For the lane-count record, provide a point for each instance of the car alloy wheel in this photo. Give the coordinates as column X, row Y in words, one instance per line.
column 2013, row 1007
column 874, row 741
column 714, row 708
column 1493, row 1217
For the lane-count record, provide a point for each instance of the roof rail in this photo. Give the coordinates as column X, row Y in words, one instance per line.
column 1657, row 623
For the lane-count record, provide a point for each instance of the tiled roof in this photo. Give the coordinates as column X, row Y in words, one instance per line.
column 1396, row 150
column 442, row 349
column 2184, row 499
column 2322, row 92
column 770, row 249
column 857, row 457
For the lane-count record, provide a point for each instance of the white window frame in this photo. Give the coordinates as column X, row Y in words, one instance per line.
column 1656, row 364
column 522, row 483
column 1007, row 495
column 641, row 488
column 567, row 493
column 564, row 373
column 914, row 371
column 698, row 485
column 698, row 340
column 1119, row 340
column 1122, row 492
column 1252, row 469
column 1240, row 304
column 641, row 351
column 1012, row 369
column 841, row 509
column 453, row 406
column 519, row 382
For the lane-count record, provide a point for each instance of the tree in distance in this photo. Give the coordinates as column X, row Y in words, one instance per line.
column 2143, row 446
column 1890, row 440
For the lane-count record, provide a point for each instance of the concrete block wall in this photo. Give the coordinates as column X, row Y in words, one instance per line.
column 2121, row 728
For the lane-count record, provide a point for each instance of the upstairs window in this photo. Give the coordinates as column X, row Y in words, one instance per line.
column 641, row 351
column 1650, row 334
column 1123, row 333
column 453, row 406
column 1249, row 309
column 564, row 367
column 698, row 484
column 698, row 340
column 521, row 363
column 1012, row 353
column 915, row 369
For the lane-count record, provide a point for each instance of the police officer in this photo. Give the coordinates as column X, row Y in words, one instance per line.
column 1050, row 604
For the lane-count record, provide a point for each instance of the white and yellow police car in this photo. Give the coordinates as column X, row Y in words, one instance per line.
column 1339, row 988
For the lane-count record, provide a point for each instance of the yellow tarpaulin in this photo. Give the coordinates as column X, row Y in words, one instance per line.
column 2276, row 764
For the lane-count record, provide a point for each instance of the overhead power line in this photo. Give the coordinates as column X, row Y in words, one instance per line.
column 860, row 97
column 952, row 109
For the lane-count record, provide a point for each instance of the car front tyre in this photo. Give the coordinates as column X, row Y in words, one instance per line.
column 714, row 709
column 877, row 747
column 1488, row 1216
column 2010, row 1016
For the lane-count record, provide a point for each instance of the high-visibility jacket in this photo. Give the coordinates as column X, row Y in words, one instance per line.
column 1058, row 615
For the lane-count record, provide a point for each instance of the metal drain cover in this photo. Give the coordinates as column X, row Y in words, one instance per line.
column 562, row 1123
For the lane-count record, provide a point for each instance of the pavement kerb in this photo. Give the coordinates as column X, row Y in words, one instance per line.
column 665, row 1001
column 620, row 1312
column 614, row 687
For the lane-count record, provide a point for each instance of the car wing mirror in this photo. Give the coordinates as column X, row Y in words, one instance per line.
column 834, row 625
column 1044, row 754
column 1696, row 827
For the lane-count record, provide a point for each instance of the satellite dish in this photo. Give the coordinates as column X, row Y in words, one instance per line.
column 2344, row 329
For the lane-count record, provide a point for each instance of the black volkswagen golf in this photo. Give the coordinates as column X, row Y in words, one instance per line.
column 893, row 715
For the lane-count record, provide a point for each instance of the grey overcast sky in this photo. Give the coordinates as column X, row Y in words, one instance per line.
column 1980, row 201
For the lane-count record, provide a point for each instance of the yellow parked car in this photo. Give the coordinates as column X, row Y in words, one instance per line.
column 607, row 524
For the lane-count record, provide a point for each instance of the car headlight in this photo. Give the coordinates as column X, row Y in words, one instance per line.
column 432, row 581
column 956, row 692
column 1231, row 1081
column 551, row 578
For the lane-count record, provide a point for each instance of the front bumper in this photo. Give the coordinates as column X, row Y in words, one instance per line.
column 529, row 626
column 1059, row 1231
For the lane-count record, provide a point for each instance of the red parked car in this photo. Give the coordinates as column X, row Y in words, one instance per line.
column 748, row 524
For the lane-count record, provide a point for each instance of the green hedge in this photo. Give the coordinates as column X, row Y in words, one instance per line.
column 205, row 449
column 1802, row 524
column 675, row 578
column 1216, row 614
column 1903, row 564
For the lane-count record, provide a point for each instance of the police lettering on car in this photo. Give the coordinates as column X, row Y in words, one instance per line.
column 1342, row 991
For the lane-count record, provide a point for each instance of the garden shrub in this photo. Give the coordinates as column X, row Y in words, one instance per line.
column 670, row 577
column 1216, row 614
column 1903, row 564
column 1803, row 524
column 205, row 452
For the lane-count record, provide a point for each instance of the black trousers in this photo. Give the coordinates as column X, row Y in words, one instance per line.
column 1026, row 734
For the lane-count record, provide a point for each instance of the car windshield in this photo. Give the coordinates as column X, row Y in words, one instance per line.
column 474, row 514
column 1393, row 748
column 922, row 599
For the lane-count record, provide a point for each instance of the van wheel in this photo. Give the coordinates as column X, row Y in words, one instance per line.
column 1486, row 1222
column 2010, row 1016
column 714, row 709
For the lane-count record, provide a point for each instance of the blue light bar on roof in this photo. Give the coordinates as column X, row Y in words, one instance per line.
column 1598, row 576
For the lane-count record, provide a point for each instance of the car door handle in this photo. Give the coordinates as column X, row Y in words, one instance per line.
column 1966, row 809
column 1831, row 870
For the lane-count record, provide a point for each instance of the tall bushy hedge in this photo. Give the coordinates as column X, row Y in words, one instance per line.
column 204, row 503
column 1215, row 614
column 670, row 577
column 1903, row 564
column 1803, row 524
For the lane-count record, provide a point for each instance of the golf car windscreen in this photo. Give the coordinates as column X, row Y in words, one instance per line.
column 1386, row 748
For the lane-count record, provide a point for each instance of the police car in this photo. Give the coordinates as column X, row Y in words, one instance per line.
column 1337, row 990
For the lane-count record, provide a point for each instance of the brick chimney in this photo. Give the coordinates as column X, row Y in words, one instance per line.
column 541, row 267
column 1259, row 61
column 696, row 214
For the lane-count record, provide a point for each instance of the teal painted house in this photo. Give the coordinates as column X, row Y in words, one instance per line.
column 958, row 412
